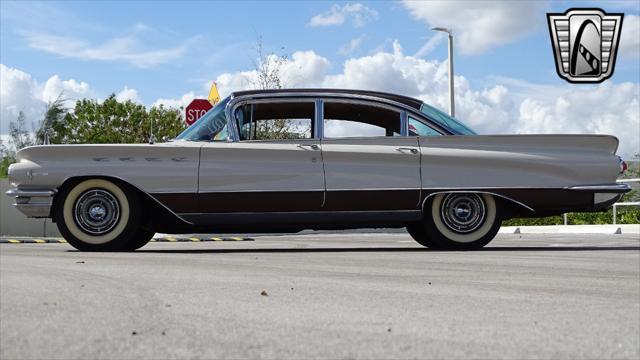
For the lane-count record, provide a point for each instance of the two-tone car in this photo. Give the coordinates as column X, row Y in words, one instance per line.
column 293, row 159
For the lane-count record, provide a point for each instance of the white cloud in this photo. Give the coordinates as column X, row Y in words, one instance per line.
column 600, row 109
column 20, row 92
column 630, row 37
column 128, row 94
column 128, row 49
column 359, row 14
column 353, row 45
column 303, row 69
column 480, row 25
column 509, row 106
column 68, row 90
column 183, row 101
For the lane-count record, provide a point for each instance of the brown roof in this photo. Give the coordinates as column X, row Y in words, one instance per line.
column 414, row 103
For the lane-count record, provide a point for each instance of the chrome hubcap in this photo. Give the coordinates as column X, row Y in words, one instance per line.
column 463, row 213
column 96, row 211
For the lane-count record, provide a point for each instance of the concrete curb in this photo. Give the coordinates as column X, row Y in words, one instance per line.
column 572, row 229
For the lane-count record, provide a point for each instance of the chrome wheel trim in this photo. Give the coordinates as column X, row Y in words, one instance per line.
column 463, row 213
column 96, row 211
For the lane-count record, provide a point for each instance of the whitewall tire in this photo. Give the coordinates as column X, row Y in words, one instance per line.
column 460, row 221
column 98, row 215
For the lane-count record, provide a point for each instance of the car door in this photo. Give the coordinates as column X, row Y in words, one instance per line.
column 369, row 164
column 276, row 166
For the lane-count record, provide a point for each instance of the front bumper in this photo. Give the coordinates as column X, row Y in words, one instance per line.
column 34, row 203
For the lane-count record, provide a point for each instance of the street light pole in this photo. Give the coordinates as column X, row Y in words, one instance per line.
column 452, row 110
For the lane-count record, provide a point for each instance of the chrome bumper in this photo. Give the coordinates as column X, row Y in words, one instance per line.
column 607, row 188
column 34, row 203
column 604, row 195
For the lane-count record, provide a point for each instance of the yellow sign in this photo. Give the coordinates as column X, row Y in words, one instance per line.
column 213, row 97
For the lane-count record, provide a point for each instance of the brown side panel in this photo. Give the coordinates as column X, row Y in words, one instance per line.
column 287, row 201
column 540, row 200
column 228, row 202
column 179, row 203
column 551, row 199
column 371, row 200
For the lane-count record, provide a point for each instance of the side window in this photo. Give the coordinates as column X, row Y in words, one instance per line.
column 276, row 121
column 359, row 120
column 418, row 128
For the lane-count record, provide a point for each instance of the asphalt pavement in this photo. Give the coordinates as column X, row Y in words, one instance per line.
column 325, row 296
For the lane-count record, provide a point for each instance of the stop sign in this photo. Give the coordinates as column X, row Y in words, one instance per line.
column 195, row 110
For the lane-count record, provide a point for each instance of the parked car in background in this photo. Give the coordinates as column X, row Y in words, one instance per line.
column 288, row 160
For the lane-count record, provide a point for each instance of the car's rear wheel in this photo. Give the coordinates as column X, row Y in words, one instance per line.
column 418, row 233
column 461, row 221
column 99, row 215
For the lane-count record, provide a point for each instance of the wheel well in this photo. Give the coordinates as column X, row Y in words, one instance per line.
column 156, row 216
column 509, row 207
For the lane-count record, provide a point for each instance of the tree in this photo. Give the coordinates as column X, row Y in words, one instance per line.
column 53, row 122
column 268, row 68
column 19, row 137
column 112, row 121
column 91, row 121
column 18, row 133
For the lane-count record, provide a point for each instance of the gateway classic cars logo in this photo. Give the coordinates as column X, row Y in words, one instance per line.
column 585, row 43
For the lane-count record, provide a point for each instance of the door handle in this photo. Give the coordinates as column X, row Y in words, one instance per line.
column 310, row 146
column 411, row 150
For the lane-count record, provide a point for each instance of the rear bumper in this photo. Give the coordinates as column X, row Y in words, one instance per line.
column 34, row 203
column 606, row 188
column 603, row 195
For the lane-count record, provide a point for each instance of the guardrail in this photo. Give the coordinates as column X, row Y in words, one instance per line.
column 615, row 206
column 629, row 203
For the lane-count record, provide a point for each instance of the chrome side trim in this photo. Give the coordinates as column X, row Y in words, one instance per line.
column 607, row 188
column 30, row 193
column 34, row 203
column 479, row 192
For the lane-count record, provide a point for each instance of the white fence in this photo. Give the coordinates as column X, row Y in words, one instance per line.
column 630, row 203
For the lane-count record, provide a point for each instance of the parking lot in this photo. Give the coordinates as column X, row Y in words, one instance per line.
column 331, row 295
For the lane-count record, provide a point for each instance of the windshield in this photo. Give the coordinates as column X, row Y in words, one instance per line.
column 212, row 126
column 446, row 121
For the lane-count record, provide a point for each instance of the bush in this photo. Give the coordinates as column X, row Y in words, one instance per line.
column 626, row 215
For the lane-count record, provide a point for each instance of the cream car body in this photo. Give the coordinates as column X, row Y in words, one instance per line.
column 241, row 183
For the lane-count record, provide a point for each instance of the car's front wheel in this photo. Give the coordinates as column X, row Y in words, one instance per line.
column 458, row 221
column 100, row 215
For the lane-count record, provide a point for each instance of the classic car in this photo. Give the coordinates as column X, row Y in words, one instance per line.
column 292, row 159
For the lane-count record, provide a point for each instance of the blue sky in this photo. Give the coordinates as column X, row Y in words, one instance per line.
column 168, row 49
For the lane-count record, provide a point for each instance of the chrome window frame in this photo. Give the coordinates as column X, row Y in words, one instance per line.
column 232, row 123
column 319, row 98
column 403, row 129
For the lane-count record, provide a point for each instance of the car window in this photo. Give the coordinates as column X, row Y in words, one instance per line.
column 212, row 126
column 446, row 121
column 359, row 120
column 418, row 128
column 276, row 120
